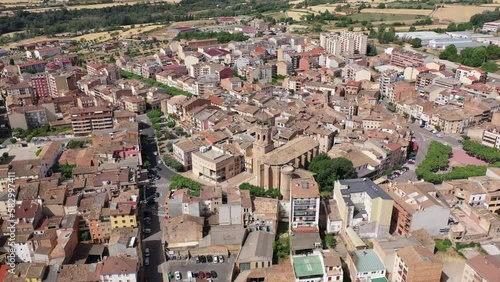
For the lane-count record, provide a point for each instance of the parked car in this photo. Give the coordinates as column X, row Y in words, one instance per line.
column 397, row 172
column 196, row 274
column 146, row 230
column 439, row 135
column 210, row 258
column 216, row 259
column 146, row 261
column 405, row 169
column 410, row 161
column 203, row 259
column 202, row 274
column 146, row 252
column 189, row 274
column 221, row 259
column 434, row 131
column 208, row 275
column 178, row 276
column 213, row 274
column 197, row 259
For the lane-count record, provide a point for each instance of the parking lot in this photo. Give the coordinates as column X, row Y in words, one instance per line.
column 224, row 270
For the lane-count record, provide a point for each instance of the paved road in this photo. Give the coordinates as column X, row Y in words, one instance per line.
column 423, row 138
column 156, row 270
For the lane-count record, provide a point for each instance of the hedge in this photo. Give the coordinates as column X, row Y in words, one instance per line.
column 260, row 192
column 180, row 182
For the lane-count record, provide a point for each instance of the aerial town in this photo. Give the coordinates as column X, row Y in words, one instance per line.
column 239, row 148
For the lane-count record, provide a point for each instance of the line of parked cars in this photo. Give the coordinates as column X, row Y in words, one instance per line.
column 209, row 259
column 209, row 275
column 396, row 173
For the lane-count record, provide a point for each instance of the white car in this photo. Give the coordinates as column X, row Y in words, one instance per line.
column 146, row 261
column 189, row 274
column 155, row 153
column 159, row 161
column 439, row 135
column 146, row 252
column 178, row 276
column 216, row 259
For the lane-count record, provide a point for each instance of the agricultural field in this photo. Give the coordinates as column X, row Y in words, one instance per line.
column 295, row 14
column 384, row 17
column 415, row 12
column 103, row 36
column 322, row 8
column 459, row 13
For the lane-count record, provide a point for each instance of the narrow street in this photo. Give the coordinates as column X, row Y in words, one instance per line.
column 155, row 270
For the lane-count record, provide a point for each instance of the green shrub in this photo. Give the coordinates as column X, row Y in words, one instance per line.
column 179, row 182
column 443, row 244
column 171, row 162
column 260, row 192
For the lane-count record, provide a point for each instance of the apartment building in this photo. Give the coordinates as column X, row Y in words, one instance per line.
column 416, row 264
column 123, row 215
column 414, row 208
column 40, row 84
column 475, row 74
column 216, row 164
column 86, row 120
column 466, row 192
column 450, row 119
column 135, row 104
column 364, row 206
column 404, row 58
column 31, row 117
column 184, row 148
column 348, row 42
column 386, row 78
column 116, row 269
column 482, row 268
column 60, row 82
column 366, row 266
column 305, row 204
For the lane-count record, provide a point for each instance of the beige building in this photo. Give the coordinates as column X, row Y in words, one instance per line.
column 482, row 268
column 273, row 168
column 216, row 165
column 363, row 206
column 135, row 104
column 416, row 264
column 346, row 42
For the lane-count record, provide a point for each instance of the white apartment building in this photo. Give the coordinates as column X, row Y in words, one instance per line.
column 305, row 204
column 346, row 42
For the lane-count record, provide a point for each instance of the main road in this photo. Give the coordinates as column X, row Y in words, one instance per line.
column 155, row 271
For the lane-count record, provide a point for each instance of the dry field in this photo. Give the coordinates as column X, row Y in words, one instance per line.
column 103, row 36
column 323, row 8
column 295, row 14
column 98, row 6
column 193, row 23
column 397, row 28
column 416, row 12
column 459, row 13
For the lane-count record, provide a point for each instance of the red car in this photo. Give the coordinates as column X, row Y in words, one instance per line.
column 208, row 275
column 202, row 274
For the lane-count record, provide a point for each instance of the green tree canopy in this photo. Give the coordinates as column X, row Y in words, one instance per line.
column 328, row 170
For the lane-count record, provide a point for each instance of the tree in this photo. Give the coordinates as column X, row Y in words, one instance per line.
column 328, row 170
column 412, row 29
column 73, row 144
column 371, row 50
column 330, row 241
column 449, row 52
column 416, row 42
column 490, row 67
column 146, row 165
column 171, row 124
column 13, row 140
column 85, row 236
column 179, row 182
column 381, row 6
column 174, row 164
column 170, row 146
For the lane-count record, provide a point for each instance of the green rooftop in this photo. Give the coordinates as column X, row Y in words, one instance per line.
column 367, row 261
column 307, row 266
column 381, row 279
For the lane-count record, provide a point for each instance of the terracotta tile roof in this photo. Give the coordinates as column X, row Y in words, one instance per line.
column 304, row 188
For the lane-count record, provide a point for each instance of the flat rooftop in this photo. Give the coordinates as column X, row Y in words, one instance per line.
column 307, row 266
column 360, row 185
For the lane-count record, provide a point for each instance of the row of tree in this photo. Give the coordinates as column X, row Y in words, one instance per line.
column 169, row 89
column 222, row 37
column 179, row 182
column 435, row 167
column 478, row 150
column 260, row 192
column 174, row 164
column 473, row 57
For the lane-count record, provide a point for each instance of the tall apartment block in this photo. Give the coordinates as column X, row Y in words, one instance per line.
column 305, row 204
column 348, row 42
column 86, row 120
